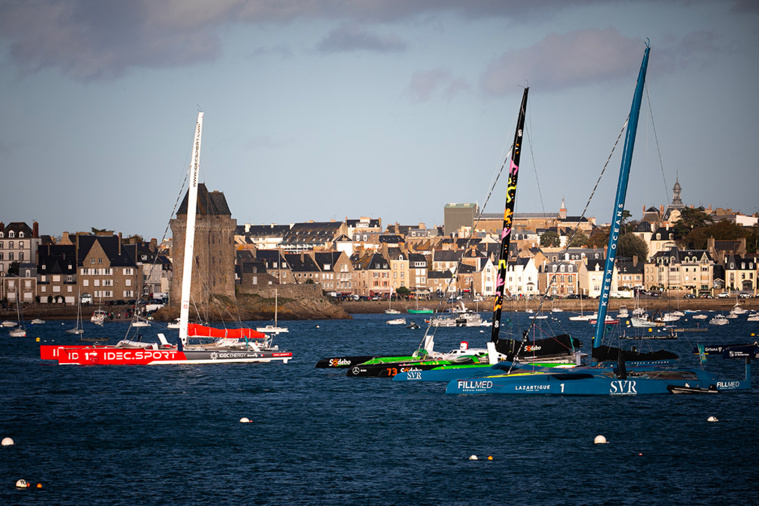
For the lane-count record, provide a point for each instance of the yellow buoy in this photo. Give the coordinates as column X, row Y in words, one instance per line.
column 490, row 457
column 38, row 339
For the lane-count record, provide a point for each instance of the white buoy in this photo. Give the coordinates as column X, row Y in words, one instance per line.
column 473, row 457
column 600, row 440
column 7, row 442
column 712, row 419
column 22, row 484
column 244, row 420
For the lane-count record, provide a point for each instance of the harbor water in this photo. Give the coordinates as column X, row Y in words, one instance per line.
column 171, row 434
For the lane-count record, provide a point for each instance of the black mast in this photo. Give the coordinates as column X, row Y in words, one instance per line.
column 508, row 213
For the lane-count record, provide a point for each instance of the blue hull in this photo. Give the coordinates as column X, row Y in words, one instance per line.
column 585, row 381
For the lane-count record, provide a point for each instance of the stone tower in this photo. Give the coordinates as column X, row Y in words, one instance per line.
column 213, row 271
column 677, row 201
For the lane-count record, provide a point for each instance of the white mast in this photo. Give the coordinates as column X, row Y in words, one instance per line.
column 189, row 243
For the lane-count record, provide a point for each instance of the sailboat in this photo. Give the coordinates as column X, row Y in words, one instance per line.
column 20, row 330
column 603, row 377
column 273, row 329
column 549, row 352
column 390, row 309
column 216, row 346
column 78, row 329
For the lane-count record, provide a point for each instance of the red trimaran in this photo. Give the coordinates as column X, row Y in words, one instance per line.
column 197, row 344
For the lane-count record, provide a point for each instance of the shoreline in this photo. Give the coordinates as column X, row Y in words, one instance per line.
column 57, row 312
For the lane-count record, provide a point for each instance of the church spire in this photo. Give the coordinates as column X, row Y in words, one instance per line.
column 563, row 209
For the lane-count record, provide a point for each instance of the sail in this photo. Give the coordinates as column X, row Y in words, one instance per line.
column 508, row 213
column 189, row 244
column 619, row 202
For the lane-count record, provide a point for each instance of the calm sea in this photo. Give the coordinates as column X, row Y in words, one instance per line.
column 171, row 434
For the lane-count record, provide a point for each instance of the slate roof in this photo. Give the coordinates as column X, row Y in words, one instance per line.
column 301, row 263
column 209, row 203
column 56, row 259
column 110, row 245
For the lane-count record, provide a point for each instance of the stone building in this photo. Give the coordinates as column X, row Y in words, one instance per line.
column 213, row 271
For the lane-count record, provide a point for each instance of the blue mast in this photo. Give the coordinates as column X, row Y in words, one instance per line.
column 619, row 203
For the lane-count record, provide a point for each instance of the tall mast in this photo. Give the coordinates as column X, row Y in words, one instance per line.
column 508, row 213
column 619, row 203
column 189, row 242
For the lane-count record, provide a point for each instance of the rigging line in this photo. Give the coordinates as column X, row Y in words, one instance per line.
column 584, row 211
column 495, row 180
column 656, row 140
column 535, row 166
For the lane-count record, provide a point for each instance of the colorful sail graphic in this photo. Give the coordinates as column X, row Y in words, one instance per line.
column 508, row 213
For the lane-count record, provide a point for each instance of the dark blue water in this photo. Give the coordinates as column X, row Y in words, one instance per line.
column 171, row 434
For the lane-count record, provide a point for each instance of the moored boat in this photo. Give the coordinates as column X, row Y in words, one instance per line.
column 204, row 345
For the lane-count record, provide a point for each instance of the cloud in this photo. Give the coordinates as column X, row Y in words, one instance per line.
column 349, row 37
column 425, row 84
column 103, row 39
column 91, row 40
column 562, row 61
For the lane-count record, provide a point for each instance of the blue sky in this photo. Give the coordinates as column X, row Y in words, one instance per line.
column 326, row 109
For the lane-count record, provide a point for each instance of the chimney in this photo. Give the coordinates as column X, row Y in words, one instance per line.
column 36, row 230
column 119, row 243
column 635, row 260
column 661, row 211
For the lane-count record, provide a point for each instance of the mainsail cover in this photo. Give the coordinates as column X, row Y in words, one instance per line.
column 196, row 330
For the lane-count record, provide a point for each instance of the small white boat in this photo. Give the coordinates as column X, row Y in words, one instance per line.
column 18, row 332
column 9, row 324
column 556, row 310
column 174, row 324
column 719, row 320
column 37, row 321
column 272, row 329
column 584, row 317
column 98, row 317
column 753, row 317
column 700, row 316
column 643, row 322
column 397, row 321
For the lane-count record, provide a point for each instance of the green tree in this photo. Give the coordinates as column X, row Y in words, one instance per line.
column 578, row 240
column 403, row 291
column 631, row 245
column 12, row 269
column 550, row 239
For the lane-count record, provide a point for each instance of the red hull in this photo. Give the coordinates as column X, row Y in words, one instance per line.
column 110, row 355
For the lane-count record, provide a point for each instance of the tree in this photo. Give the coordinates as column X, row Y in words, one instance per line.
column 631, row 245
column 12, row 269
column 403, row 291
column 599, row 237
column 550, row 239
column 578, row 240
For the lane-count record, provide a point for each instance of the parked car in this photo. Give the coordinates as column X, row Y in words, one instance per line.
column 723, row 295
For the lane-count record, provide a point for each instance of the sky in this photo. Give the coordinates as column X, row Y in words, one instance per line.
column 331, row 109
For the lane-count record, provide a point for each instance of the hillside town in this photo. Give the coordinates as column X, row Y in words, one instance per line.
column 360, row 258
